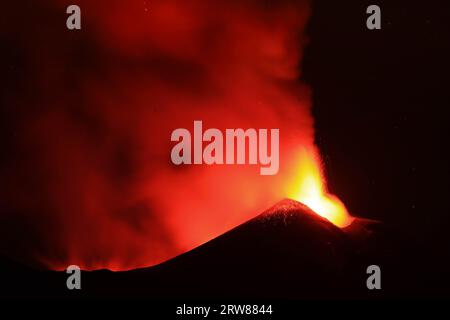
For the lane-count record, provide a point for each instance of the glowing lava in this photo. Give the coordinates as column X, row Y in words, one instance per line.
column 309, row 188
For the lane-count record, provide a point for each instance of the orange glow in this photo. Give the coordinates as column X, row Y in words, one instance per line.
column 309, row 187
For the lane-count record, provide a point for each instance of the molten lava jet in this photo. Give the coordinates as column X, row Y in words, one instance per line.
column 309, row 187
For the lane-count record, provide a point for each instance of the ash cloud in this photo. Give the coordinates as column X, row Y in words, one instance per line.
column 86, row 175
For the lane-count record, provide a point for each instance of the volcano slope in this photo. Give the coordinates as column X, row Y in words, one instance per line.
column 287, row 252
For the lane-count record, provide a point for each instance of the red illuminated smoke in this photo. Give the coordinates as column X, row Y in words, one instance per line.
column 92, row 182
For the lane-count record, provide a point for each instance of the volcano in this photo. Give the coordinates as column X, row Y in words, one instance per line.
column 287, row 251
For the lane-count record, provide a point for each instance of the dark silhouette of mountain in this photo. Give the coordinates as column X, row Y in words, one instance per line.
column 286, row 252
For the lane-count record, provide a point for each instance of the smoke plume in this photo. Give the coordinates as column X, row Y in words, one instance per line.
column 86, row 176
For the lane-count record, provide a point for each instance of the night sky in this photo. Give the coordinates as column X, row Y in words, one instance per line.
column 380, row 105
